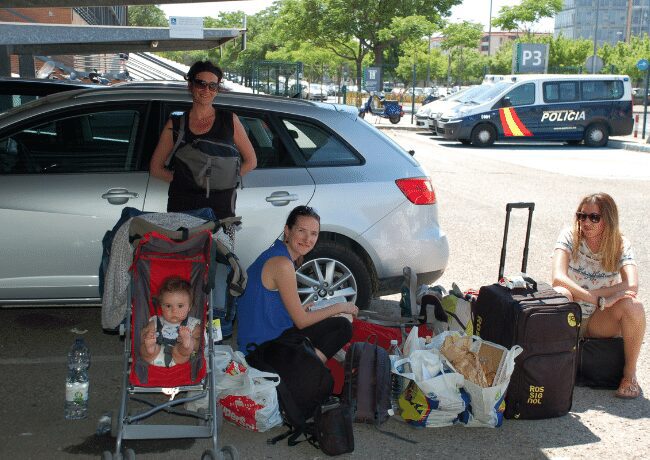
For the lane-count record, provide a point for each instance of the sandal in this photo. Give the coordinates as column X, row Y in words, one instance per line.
column 628, row 389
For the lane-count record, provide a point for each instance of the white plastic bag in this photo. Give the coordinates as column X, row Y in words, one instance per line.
column 487, row 404
column 247, row 395
column 433, row 398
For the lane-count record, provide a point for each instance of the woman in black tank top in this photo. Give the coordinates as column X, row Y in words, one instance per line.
column 202, row 121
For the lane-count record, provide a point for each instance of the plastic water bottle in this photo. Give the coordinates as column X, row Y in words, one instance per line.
column 396, row 382
column 76, row 383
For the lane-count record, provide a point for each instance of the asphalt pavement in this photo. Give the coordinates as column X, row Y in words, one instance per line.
column 472, row 187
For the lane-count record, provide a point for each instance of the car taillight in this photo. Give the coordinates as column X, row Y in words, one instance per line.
column 418, row 190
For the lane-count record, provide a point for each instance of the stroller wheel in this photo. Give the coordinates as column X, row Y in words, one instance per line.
column 229, row 452
column 106, row 455
column 209, row 454
column 129, row 454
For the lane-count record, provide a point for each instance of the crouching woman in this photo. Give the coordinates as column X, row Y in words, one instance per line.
column 270, row 306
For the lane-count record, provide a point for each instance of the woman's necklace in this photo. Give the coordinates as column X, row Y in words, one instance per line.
column 203, row 124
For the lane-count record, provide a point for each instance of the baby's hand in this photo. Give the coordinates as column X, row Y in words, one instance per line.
column 185, row 337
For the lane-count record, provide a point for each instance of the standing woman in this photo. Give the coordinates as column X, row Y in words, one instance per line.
column 593, row 264
column 203, row 121
column 270, row 306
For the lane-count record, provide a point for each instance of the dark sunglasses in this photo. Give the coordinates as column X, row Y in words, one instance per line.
column 595, row 218
column 212, row 86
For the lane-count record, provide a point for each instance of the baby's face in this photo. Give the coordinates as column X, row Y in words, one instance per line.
column 175, row 306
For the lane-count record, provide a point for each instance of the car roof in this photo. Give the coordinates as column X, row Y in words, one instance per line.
column 156, row 90
column 38, row 86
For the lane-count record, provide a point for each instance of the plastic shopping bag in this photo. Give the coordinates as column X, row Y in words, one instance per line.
column 247, row 395
column 433, row 397
column 487, row 383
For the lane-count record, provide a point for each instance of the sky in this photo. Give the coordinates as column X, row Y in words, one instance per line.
column 470, row 10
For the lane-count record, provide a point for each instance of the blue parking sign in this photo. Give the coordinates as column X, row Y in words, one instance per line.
column 642, row 65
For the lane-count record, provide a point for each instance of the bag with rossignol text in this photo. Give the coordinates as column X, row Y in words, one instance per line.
column 209, row 165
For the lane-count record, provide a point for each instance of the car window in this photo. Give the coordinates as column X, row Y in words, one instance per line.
column 269, row 149
column 560, row 91
column 602, row 89
column 522, row 95
column 319, row 147
column 101, row 141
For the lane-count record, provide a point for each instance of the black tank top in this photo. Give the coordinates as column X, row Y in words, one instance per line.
column 184, row 194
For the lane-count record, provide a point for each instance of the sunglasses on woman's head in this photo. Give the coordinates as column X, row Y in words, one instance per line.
column 212, row 86
column 594, row 217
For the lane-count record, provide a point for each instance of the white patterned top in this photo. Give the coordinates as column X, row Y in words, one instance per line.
column 587, row 271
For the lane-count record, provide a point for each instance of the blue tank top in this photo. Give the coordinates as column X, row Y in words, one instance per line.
column 261, row 314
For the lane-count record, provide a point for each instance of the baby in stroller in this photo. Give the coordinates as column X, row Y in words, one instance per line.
column 170, row 337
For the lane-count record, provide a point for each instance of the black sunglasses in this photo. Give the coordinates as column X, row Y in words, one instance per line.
column 212, row 86
column 594, row 217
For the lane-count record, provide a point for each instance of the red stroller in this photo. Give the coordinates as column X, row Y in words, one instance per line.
column 161, row 253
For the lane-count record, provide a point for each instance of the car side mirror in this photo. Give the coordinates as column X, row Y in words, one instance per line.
column 505, row 102
column 412, row 152
column 293, row 133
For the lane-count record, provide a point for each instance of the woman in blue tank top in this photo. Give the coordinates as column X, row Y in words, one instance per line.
column 270, row 306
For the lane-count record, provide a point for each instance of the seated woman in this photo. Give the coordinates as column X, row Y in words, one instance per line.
column 593, row 265
column 270, row 306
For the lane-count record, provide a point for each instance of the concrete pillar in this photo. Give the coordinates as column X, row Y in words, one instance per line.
column 26, row 66
column 5, row 61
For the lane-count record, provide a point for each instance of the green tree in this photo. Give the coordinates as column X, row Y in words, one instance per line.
column 459, row 38
column 624, row 56
column 350, row 28
column 146, row 16
column 527, row 13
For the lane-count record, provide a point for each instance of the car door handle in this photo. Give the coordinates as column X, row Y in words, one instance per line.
column 281, row 198
column 119, row 195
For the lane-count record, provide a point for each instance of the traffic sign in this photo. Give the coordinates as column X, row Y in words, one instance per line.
column 643, row 65
column 594, row 64
column 530, row 58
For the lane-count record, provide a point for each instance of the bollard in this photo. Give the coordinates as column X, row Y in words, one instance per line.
column 636, row 125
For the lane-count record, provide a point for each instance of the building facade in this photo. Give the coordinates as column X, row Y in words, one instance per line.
column 97, row 15
column 611, row 20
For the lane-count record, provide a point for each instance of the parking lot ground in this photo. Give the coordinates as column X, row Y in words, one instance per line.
column 472, row 187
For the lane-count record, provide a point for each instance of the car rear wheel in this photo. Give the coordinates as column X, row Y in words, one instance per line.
column 596, row 135
column 331, row 270
column 483, row 135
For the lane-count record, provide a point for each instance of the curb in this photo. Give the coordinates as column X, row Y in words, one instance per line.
column 628, row 145
column 613, row 143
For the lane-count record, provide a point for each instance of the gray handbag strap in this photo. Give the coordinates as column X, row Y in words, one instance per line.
column 179, row 139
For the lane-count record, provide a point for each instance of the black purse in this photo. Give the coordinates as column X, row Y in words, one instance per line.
column 333, row 427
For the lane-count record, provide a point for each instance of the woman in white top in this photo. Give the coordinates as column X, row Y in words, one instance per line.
column 593, row 264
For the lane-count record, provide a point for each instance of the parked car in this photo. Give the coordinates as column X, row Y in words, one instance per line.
column 317, row 92
column 70, row 162
column 637, row 96
column 18, row 91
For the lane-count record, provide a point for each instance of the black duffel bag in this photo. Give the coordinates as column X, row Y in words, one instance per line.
column 600, row 363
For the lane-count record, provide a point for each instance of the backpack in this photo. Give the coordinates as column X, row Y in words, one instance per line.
column 207, row 164
column 367, row 382
column 305, row 382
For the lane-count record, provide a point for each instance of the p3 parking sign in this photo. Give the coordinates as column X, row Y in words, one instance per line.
column 530, row 58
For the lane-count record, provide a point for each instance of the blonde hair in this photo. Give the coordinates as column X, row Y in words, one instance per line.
column 611, row 245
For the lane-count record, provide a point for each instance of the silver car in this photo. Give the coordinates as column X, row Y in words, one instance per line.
column 70, row 162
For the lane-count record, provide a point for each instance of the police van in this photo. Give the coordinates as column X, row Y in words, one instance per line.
column 571, row 108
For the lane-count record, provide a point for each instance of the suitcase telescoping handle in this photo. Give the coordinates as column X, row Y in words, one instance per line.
column 524, row 261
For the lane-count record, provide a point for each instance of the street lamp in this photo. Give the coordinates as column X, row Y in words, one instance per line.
column 490, row 29
column 593, row 61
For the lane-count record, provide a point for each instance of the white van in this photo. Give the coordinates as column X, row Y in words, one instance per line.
column 569, row 108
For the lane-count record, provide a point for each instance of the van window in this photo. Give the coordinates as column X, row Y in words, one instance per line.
column 560, row 91
column 522, row 95
column 602, row 89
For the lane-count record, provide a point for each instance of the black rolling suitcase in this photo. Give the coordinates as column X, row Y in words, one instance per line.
column 545, row 324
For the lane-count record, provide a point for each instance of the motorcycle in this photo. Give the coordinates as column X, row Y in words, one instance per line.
column 382, row 108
